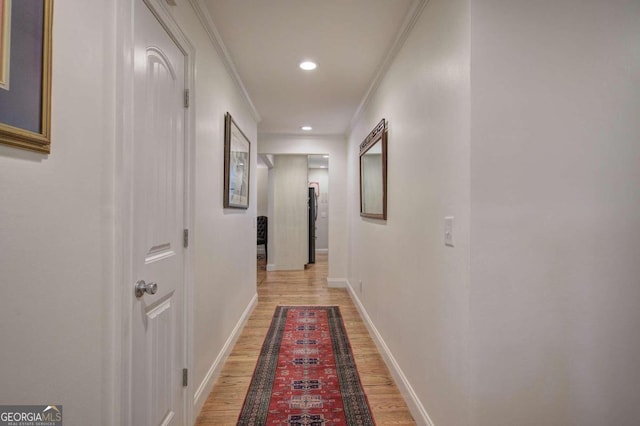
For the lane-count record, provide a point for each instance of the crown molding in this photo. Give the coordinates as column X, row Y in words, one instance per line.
column 409, row 22
column 216, row 39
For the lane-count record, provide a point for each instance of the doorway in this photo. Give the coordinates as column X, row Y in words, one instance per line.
column 298, row 224
column 319, row 181
column 155, row 207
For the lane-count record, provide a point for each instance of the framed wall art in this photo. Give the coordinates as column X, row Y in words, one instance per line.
column 373, row 173
column 237, row 156
column 25, row 73
column 5, row 43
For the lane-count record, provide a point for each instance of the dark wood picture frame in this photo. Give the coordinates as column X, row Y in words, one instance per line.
column 25, row 99
column 237, row 165
column 377, row 139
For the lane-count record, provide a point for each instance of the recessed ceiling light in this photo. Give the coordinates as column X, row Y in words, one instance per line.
column 306, row 128
column 325, row 156
column 308, row 65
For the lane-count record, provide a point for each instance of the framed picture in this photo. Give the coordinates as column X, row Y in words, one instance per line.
column 5, row 43
column 25, row 73
column 237, row 155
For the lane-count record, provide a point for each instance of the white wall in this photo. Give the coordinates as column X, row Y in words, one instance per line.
column 224, row 240
column 532, row 317
column 288, row 224
column 321, row 176
column 262, row 191
column 415, row 289
column 56, row 231
column 335, row 147
column 58, row 287
column 555, row 166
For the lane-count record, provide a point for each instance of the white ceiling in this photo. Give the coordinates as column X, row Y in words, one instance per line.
column 351, row 41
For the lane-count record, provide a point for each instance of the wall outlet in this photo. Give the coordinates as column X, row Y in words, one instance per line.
column 448, row 231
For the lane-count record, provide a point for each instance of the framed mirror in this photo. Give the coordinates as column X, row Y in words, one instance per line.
column 373, row 173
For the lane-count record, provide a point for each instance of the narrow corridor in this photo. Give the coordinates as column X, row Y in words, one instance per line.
column 307, row 287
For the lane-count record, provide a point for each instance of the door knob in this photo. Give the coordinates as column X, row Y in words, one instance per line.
column 142, row 287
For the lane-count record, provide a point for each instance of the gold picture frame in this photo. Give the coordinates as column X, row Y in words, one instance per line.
column 25, row 104
column 5, row 43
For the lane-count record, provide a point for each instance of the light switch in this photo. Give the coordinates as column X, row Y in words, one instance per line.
column 448, row 231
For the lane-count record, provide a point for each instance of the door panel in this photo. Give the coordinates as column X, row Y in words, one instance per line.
column 158, row 338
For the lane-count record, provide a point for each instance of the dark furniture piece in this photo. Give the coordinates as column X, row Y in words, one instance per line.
column 263, row 232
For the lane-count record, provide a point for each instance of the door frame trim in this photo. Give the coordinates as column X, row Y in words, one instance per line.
column 123, row 183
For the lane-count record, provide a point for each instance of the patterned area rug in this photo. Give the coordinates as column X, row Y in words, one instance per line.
column 306, row 374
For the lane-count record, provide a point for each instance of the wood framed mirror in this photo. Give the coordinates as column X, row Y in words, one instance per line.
column 373, row 173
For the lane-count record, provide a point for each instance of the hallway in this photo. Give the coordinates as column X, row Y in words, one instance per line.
column 502, row 288
column 301, row 288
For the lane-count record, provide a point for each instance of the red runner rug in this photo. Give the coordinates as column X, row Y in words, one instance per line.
column 306, row 374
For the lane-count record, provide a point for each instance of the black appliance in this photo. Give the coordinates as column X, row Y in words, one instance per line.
column 313, row 215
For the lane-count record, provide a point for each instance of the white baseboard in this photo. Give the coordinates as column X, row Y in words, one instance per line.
column 271, row 266
column 205, row 387
column 337, row 282
column 322, row 251
column 415, row 406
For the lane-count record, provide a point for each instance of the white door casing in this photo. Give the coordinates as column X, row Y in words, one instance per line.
column 158, row 339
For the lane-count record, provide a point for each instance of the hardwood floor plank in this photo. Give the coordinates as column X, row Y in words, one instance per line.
column 308, row 287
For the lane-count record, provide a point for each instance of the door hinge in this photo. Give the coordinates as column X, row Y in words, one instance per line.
column 185, row 238
column 186, row 98
column 185, row 377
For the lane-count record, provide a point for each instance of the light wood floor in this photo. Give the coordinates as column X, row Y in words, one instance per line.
column 307, row 287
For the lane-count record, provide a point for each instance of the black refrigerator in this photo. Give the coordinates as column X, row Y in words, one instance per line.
column 313, row 215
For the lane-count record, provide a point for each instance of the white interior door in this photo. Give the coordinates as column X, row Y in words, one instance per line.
column 158, row 336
